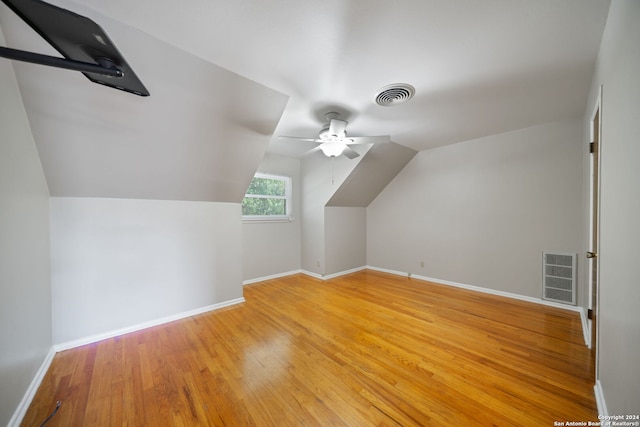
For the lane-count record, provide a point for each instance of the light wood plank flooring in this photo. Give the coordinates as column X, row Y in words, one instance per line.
column 364, row 349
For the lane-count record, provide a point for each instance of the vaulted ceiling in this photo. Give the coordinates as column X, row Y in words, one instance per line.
column 227, row 77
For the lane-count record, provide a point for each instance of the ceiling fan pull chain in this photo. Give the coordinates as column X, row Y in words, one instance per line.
column 333, row 159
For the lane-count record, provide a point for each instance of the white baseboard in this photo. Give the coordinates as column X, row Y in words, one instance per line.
column 312, row 274
column 602, row 406
column 343, row 273
column 586, row 327
column 583, row 314
column 386, row 270
column 307, row 273
column 35, row 383
column 21, row 410
column 273, row 276
column 487, row 291
column 110, row 334
column 333, row 275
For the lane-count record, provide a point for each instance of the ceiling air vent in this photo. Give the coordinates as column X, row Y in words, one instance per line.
column 395, row 94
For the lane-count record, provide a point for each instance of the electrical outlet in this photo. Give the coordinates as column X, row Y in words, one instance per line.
column 421, row 264
column 318, row 263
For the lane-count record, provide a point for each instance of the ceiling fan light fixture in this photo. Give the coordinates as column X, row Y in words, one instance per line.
column 333, row 149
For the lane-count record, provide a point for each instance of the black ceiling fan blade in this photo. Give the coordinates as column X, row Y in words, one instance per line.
column 78, row 39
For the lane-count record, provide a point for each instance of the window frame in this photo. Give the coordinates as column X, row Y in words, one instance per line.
column 287, row 217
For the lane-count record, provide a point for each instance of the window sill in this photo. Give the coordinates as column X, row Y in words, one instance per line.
column 258, row 219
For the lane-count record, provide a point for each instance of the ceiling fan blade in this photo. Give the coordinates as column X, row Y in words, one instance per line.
column 295, row 138
column 338, row 127
column 350, row 153
column 369, row 139
column 314, row 149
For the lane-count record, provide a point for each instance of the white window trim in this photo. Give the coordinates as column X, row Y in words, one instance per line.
column 287, row 197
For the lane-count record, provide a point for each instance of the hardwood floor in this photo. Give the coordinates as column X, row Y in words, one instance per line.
column 364, row 349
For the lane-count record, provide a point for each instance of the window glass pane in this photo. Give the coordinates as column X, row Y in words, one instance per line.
column 268, row 198
column 267, row 187
column 262, row 206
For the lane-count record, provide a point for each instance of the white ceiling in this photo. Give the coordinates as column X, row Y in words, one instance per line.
column 479, row 68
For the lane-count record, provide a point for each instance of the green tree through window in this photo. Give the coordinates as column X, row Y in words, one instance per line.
column 268, row 196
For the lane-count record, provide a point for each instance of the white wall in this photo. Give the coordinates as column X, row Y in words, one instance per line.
column 272, row 248
column 25, row 284
column 618, row 71
column 117, row 263
column 481, row 212
column 317, row 187
column 345, row 238
column 320, row 180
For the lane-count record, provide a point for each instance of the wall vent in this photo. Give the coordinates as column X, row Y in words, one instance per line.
column 559, row 277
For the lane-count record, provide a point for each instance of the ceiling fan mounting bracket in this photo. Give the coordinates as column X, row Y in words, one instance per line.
column 331, row 115
column 326, row 135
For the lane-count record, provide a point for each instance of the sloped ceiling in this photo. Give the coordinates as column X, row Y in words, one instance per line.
column 379, row 166
column 479, row 68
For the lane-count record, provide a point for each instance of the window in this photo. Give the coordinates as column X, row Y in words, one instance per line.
column 268, row 198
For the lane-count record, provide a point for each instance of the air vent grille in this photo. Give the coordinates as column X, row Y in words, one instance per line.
column 395, row 94
column 559, row 277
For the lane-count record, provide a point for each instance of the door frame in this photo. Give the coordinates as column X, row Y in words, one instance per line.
column 595, row 125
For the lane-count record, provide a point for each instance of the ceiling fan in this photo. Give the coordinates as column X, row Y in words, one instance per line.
column 334, row 141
